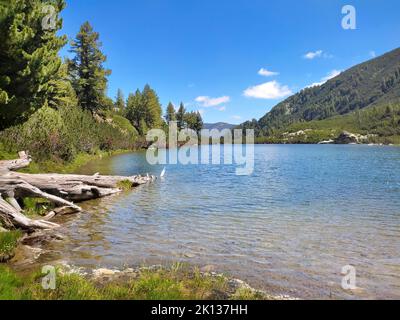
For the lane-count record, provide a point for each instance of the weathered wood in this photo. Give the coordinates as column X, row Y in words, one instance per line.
column 14, row 203
column 60, row 189
column 69, row 187
column 11, row 216
column 9, row 165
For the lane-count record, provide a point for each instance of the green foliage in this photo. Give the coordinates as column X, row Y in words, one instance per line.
column 86, row 69
column 30, row 65
column 10, row 284
column 120, row 102
column 135, row 112
column 5, row 155
column 152, row 107
column 44, row 134
column 125, row 185
column 8, row 242
column 194, row 121
column 170, row 114
column 180, row 116
column 124, row 125
column 60, row 135
column 247, row 294
column 144, row 110
column 380, row 123
column 36, row 206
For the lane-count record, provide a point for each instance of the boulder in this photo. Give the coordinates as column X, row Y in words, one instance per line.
column 346, row 138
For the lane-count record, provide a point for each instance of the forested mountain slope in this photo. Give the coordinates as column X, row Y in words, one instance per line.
column 375, row 82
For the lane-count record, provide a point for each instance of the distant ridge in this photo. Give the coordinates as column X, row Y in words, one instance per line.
column 219, row 126
column 372, row 83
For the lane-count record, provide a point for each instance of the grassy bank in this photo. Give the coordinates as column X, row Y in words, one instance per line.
column 162, row 284
column 69, row 167
column 8, row 244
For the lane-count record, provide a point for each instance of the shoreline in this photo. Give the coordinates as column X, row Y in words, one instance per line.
column 178, row 281
column 25, row 258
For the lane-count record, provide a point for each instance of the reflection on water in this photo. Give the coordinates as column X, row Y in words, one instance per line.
column 289, row 228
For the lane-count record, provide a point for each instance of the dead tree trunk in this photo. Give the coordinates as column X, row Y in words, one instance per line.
column 60, row 189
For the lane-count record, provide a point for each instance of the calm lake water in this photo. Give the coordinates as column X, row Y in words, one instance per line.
column 289, row 228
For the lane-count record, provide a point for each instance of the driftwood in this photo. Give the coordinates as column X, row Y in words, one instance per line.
column 60, row 189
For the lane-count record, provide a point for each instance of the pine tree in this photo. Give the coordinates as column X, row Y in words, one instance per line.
column 171, row 114
column 134, row 109
column 62, row 94
column 180, row 116
column 194, row 121
column 199, row 122
column 89, row 77
column 29, row 61
column 120, row 102
column 152, row 107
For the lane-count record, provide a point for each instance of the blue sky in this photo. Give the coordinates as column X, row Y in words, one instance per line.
column 233, row 60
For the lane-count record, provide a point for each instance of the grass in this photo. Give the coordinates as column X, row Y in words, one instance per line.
column 4, row 155
column 34, row 207
column 125, row 185
column 68, row 167
column 8, row 243
column 163, row 284
column 10, row 285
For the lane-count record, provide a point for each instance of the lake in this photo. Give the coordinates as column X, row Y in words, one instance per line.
column 289, row 228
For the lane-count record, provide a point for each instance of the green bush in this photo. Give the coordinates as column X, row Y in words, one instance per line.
column 8, row 242
column 125, row 125
column 62, row 134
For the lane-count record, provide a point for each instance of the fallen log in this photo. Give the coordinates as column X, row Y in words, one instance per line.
column 10, row 165
column 13, row 218
column 60, row 189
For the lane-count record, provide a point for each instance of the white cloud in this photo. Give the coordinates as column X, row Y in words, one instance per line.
column 223, row 108
column 329, row 76
column 317, row 54
column 201, row 111
column 268, row 90
column 267, row 73
column 236, row 117
column 372, row 54
column 313, row 54
column 212, row 102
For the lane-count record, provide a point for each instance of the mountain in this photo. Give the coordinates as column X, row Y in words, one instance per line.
column 219, row 126
column 372, row 83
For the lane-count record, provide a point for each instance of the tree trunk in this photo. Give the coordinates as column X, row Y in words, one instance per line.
column 60, row 189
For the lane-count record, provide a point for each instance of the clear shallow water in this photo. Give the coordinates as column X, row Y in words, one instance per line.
column 289, row 228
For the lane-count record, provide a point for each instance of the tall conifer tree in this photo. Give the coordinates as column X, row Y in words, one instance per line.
column 180, row 116
column 120, row 102
column 171, row 114
column 89, row 77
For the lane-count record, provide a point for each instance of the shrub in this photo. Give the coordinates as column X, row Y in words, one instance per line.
column 8, row 242
column 61, row 134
